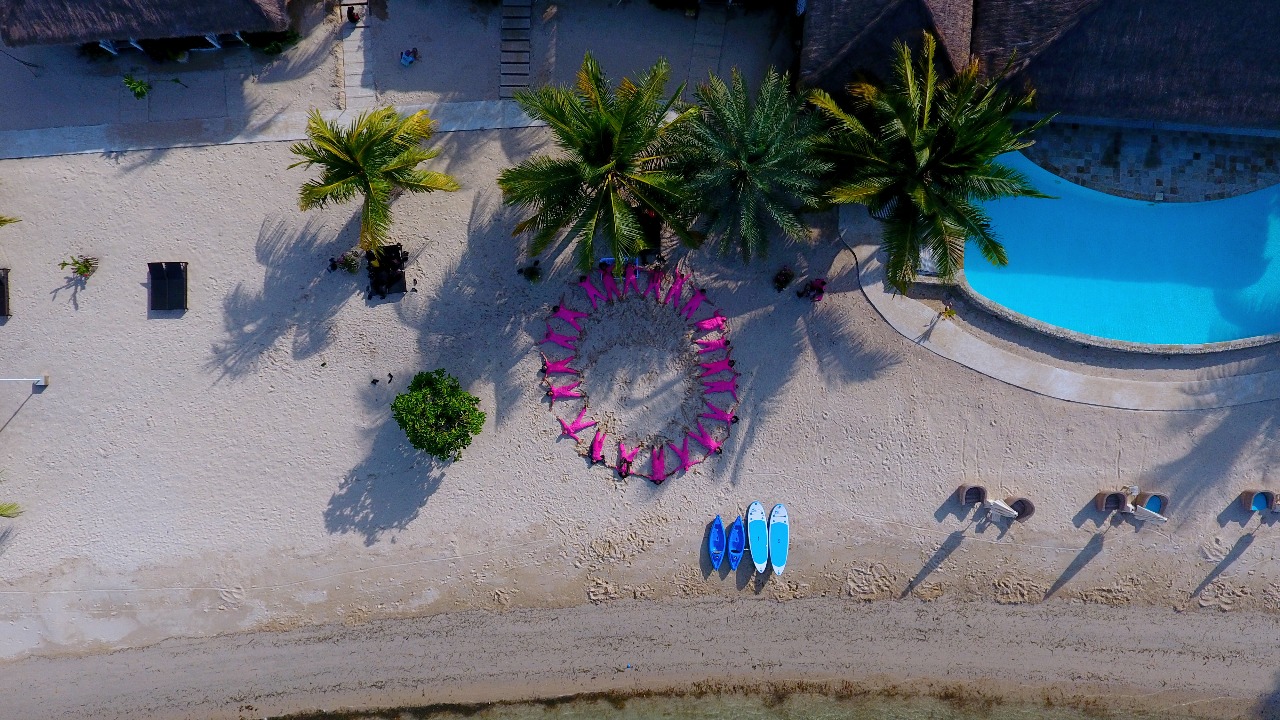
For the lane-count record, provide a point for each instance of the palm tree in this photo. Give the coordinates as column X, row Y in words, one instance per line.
column 615, row 165
column 921, row 155
column 5, row 220
column 752, row 166
column 374, row 157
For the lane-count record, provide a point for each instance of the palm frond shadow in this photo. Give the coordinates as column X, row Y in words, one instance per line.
column 298, row 295
column 484, row 320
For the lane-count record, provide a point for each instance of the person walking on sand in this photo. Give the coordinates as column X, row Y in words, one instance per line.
column 353, row 17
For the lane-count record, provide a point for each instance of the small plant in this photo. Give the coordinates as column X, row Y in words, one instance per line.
column 139, row 88
column 10, row 510
column 81, row 265
column 437, row 415
column 350, row 261
column 947, row 312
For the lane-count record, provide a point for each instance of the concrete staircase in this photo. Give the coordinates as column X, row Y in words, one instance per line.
column 517, row 31
column 708, row 44
column 357, row 85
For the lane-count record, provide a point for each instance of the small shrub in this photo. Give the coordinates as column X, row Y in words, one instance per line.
column 10, row 510
column 83, row 266
column 437, row 415
column 139, row 88
column 271, row 43
column 350, row 261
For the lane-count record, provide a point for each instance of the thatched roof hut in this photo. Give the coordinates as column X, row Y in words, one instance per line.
column 1163, row 60
column 62, row 22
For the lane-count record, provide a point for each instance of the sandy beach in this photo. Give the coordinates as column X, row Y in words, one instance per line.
column 223, row 493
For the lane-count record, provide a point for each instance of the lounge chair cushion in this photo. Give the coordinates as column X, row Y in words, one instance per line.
column 168, row 285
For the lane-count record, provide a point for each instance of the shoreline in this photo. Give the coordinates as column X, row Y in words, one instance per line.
column 1089, row 657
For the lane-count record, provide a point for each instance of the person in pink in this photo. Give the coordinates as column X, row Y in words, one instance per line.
column 564, row 341
column 694, row 302
column 716, row 413
column 593, row 292
column 715, row 322
column 626, row 458
column 705, row 440
column 722, row 386
column 571, row 429
column 717, row 366
column 657, row 464
column 682, row 452
column 557, row 367
column 677, row 287
column 563, row 392
column 568, row 315
column 609, row 282
column 706, row 345
column 597, row 447
column 656, row 276
column 629, row 280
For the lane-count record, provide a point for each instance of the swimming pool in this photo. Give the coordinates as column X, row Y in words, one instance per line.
column 1158, row 273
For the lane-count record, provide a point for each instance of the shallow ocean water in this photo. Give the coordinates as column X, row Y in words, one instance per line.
column 744, row 707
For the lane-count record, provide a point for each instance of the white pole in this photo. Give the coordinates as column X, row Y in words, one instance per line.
column 42, row 381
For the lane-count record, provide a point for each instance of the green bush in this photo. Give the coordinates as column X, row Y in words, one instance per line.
column 437, row 415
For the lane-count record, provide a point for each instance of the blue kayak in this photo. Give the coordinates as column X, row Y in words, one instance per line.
column 737, row 542
column 758, row 536
column 715, row 543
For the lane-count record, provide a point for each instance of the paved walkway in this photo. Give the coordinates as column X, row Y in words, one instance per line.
column 708, row 46
column 357, row 80
column 920, row 324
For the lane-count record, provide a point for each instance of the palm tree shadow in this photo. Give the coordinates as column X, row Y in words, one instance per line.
column 1211, row 462
column 484, row 320
column 298, row 295
column 74, row 283
column 1234, row 554
column 948, row 546
column 1083, row 558
column 386, row 491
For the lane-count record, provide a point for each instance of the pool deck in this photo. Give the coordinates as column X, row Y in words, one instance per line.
column 921, row 324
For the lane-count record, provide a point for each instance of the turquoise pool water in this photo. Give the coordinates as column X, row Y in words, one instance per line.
column 1166, row 273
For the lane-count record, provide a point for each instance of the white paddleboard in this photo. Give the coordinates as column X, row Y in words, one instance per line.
column 779, row 537
column 758, row 536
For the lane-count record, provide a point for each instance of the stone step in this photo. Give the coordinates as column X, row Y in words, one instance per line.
column 517, row 3
column 507, row 93
column 515, row 23
column 516, row 46
column 516, row 57
column 515, row 11
column 513, row 34
column 515, row 71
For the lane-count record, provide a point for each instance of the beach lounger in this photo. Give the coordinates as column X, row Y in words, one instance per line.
column 1258, row 500
column 1023, row 506
column 1151, row 506
column 971, row 495
column 168, row 285
column 4, row 292
column 1111, row 501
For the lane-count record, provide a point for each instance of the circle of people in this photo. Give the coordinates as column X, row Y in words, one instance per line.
column 711, row 338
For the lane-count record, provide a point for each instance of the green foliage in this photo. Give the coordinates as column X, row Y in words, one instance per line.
column 376, row 155
column 752, row 166
column 437, row 415
column 350, row 261
column 81, row 265
column 272, row 43
column 139, row 88
column 10, row 510
column 5, row 220
column 920, row 154
column 616, row 160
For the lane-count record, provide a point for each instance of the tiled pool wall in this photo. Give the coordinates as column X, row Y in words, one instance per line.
column 1146, row 163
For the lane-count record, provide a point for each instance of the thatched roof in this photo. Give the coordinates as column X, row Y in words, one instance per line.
column 844, row 39
column 1184, row 61
column 62, row 22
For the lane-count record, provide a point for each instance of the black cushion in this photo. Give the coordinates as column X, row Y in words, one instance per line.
column 168, row 285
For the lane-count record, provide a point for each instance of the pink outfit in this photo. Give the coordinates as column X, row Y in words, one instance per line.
column 571, row 429
column 597, row 447
column 722, row 386
column 570, row 316
column 564, row 341
column 629, row 280
column 682, row 452
column 715, row 322
column 658, row 464
column 610, row 285
column 625, row 459
column 563, row 392
column 717, row 366
column 655, row 284
column 692, row 305
column 677, row 287
column 720, row 343
column 561, row 367
column 593, row 293
column 704, row 439
column 716, row 413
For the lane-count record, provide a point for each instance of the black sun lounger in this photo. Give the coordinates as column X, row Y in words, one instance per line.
column 168, row 285
column 4, row 292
